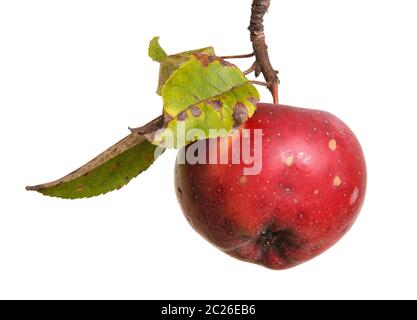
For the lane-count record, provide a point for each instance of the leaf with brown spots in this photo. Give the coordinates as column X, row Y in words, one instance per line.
column 170, row 63
column 109, row 171
column 199, row 90
column 203, row 95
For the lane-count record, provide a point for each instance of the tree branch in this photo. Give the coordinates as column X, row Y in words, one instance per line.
column 257, row 36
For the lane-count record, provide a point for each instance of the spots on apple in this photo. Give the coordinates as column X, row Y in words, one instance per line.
column 307, row 196
column 289, row 161
column 337, row 181
column 333, row 145
column 354, row 196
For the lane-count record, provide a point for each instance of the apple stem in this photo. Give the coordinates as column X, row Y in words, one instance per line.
column 257, row 36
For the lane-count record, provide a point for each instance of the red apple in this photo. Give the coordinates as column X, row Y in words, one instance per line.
column 306, row 197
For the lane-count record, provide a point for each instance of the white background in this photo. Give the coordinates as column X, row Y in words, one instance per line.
column 75, row 74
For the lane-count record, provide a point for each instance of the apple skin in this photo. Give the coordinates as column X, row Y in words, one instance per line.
column 307, row 196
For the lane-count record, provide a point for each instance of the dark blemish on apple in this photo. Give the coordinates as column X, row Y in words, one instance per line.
column 216, row 105
column 179, row 192
column 196, row 112
column 279, row 241
column 182, row 116
column 240, row 114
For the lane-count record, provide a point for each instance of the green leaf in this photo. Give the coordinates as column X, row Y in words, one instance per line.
column 155, row 51
column 172, row 62
column 111, row 170
column 207, row 93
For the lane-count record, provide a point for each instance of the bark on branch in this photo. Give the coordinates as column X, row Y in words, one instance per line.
column 256, row 28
